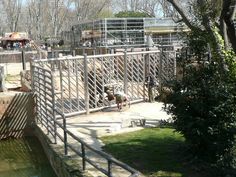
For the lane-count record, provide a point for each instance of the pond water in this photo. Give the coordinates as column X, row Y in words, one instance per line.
column 24, row 158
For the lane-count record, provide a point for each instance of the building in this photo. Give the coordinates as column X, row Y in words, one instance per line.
column 127, row 32
column 14, row 40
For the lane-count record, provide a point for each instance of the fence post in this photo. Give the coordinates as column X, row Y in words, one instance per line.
column 65, row 135
column 54, row 107
column 32, row 75
column 83, row 157
column 160, row 69
column 73, row 53
column 125, row 72
column 2, row 79
column 23, row 59
column 147, row 72
column 175, row 65
column 109, row 168
column 86, row 84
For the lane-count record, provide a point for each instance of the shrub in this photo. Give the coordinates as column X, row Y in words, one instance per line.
column 204, row 111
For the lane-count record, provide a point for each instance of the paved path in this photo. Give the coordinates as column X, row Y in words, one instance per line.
column 111, row 121
column 108, row 122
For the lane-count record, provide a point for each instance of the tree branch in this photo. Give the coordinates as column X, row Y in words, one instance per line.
column 180, row 10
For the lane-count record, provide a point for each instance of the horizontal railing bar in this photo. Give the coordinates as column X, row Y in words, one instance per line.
column 103, row 154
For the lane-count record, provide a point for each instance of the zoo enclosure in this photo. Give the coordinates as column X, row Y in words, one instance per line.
column 70, row 85
column 79, row 82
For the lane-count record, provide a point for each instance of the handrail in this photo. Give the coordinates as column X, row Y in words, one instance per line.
column 97, row 56
column 109, row 158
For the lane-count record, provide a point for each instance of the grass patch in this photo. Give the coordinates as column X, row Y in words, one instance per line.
column 153, row 151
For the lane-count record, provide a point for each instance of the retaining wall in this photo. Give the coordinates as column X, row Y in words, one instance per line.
column 17, row 114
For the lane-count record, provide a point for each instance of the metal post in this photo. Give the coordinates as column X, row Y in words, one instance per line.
column 61, row 87
column 2, row 79
column 160, row 69
column 69, row 83
column 23, row 60
column 32, row 75
column 83, row 157
column 73, row 53
column 125, row 73
column 65, row 135
column 86, row 84
column 109, row 168
column 175, row 66
column 54, row 108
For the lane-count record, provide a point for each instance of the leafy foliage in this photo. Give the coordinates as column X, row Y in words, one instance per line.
column 124, row 14
column 203, row 105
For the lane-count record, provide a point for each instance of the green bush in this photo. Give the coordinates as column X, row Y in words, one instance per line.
column 203, row 105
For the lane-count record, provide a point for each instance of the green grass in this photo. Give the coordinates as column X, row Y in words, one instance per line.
column 152, row 151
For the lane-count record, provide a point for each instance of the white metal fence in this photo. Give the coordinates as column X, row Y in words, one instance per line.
column 79, row 82
column 73, row 85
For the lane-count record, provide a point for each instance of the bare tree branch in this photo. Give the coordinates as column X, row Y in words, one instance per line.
column 180, row 10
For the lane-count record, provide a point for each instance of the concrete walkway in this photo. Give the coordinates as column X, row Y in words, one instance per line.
column 110, row 121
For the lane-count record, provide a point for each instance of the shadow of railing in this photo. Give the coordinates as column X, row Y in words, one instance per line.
column 18, row 118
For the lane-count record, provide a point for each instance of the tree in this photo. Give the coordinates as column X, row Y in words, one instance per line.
column 89, row 9
column 12, row 10
column 124, row 14
column 149, row 7
column 203, row 102
column 34, row 18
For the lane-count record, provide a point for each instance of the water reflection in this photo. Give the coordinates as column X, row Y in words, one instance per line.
column 23, row 158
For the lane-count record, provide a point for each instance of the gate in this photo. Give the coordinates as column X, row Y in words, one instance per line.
column 43, row 86
column 77, row 84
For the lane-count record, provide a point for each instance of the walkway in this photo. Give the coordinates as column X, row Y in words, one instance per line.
column 109, row 122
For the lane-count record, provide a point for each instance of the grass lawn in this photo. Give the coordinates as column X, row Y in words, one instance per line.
column 159, row 152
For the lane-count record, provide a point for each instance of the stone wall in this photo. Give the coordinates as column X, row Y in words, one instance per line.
column 17, row 114
column 64, row 166
column 16, row 57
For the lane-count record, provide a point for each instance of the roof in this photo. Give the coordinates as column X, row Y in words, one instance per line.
column 13, row 39
column 15, row 36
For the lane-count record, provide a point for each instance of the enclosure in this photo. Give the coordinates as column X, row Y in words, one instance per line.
column 77, row 84
column 126, row 32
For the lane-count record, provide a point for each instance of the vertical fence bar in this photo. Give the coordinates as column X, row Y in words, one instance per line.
column 23, row 60
column 86, row 84
column 77, row 83
column 175, row 66
column 45, row 101
column 65, row 135
column 125, row 72
column 54, row 107
column 83, row 157
column 69, row 83
column 61, row 87
column 160, row 68
column 109, row 168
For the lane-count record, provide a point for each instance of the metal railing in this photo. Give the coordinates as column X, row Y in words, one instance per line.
column 69, row 84
column 84, row 149
column 81, row 80
column 46, row 117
